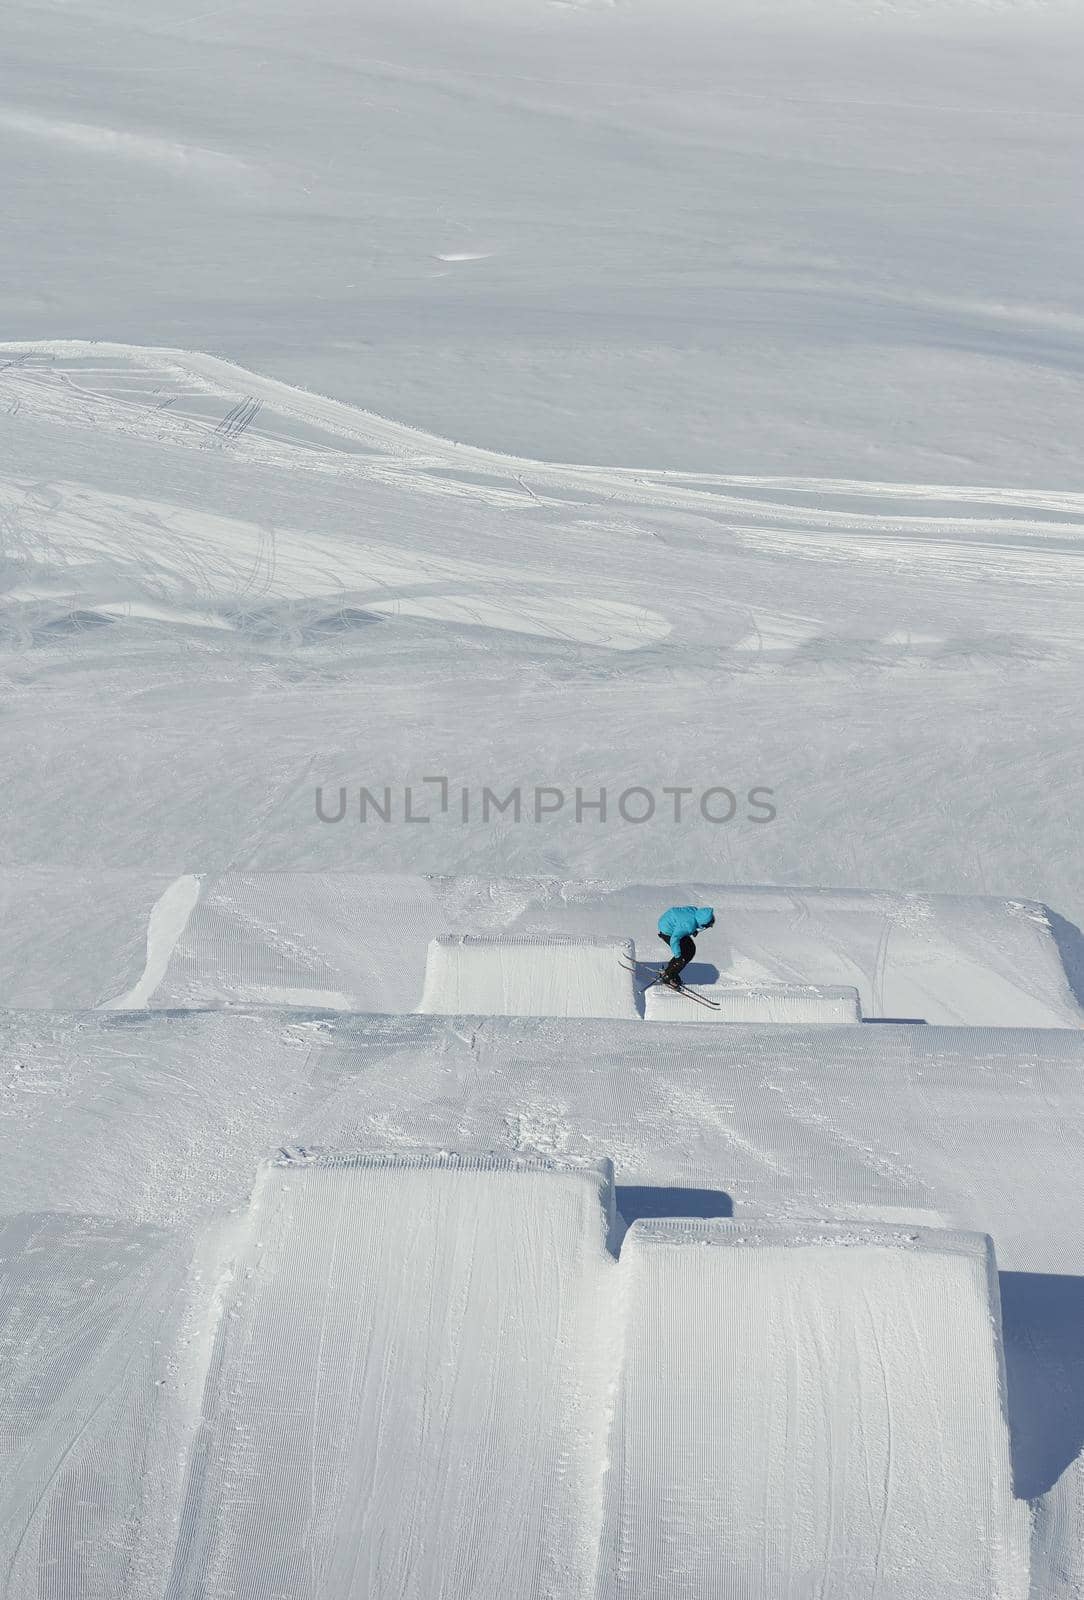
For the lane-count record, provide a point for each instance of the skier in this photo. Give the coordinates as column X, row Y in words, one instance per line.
column 676, row 928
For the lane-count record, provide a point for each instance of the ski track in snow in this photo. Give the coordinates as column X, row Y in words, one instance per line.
column 147, row 393
column 1019, row 538
column 786, row 1121
column 96, row 141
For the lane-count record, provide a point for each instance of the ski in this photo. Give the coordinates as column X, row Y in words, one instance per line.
column 693, row 994
column 635, row 967
column 700, row 999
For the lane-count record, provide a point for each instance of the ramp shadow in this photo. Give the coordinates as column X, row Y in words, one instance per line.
column 1042, row 1318
column 635, row 1200
column 1070, row 943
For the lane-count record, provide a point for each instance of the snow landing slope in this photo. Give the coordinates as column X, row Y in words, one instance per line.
column 409, row 1395
column 869, row 1128
column 412, row 1396
column 855, row 1441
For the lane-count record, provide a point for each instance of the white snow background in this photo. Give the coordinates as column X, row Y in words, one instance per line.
column 541, row 396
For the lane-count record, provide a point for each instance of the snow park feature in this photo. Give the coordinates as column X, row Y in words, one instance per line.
column 163, row 1311
column 855, row 1441
column 355, row 941
column 475, row 474
column 529, row 976
column 409, row 1395
column 779, row 1002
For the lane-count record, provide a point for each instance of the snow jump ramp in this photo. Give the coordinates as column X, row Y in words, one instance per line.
column 529, row 975
column 407, row 1396
column 767, row 1002
column 810, row 1410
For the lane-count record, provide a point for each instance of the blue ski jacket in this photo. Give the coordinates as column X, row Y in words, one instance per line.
column 681, row 922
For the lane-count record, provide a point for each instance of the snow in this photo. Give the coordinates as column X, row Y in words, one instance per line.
column 409, row 1394
column 785, row 238
column 607, row 406
column 855, row 1441
column 767, row 1003
column 864, row 1130
column 525, row 976
column 91, row 1327
column 358, row 941
column 167, row 922
column 222, row 560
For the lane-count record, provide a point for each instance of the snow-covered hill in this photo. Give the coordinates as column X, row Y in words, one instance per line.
column 223, row 597
column 472, row 473
column 825, row 237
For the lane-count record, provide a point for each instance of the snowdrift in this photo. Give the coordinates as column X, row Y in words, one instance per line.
column 545, row 975
column 810, row 1409
column 408, row 1395
column 769, row 1002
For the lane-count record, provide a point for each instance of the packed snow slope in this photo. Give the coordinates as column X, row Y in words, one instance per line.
column 824, row 237
column 525, row 976
column 856, row 1380
column 397, row 942
column 214, row 1373
column 794, row 285
column 484, row 470
column 249, row 628
column 443, row 1375
column 767, row 1002
column 453, row 1354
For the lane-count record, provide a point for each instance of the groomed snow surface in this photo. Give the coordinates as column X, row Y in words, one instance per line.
column 410, row 1394
column 356, row 942
column 776, row 1002
column 413, row 1389
column 544, row 976
column 459, row 398
column 550, row 976
column 435, row 1367
column 810, row 1410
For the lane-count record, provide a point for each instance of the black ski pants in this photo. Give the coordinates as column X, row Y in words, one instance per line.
column 677, row 964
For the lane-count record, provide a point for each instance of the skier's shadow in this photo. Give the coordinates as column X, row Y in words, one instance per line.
column 696, row 973
column 700, row 972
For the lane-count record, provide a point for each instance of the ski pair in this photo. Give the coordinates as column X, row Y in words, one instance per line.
column 700, row 999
